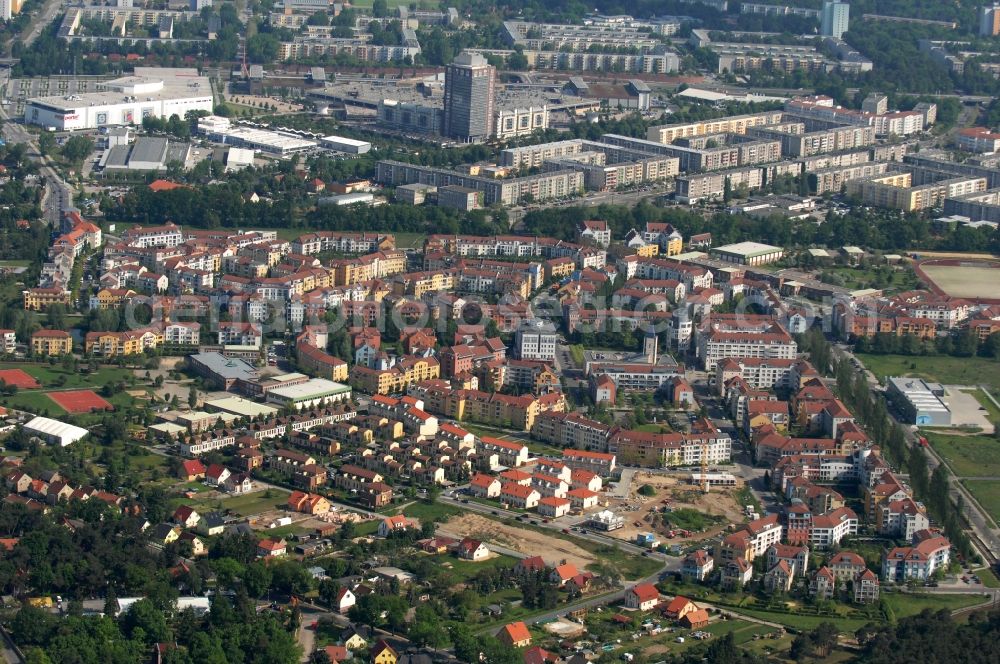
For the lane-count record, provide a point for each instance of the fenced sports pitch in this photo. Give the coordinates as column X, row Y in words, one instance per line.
column 977, row 280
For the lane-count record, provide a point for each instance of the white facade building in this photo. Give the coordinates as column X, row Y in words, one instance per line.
column 150, row 92
column 536, row 340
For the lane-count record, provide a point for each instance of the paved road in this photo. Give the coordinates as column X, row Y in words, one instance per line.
column 7, row 650
column 49, row 12
column 58, row 195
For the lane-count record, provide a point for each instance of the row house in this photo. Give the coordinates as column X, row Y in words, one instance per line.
column 352, row 477
column 308, row 442
column 547, row 485
column 207, row 441
column 485, row 486
column 510, row 454
column 519, row 496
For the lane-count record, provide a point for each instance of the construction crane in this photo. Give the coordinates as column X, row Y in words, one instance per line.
column 704, row 466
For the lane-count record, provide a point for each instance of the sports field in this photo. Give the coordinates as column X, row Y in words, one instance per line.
column 80, row 401
column 967, row 279
column 19, row 379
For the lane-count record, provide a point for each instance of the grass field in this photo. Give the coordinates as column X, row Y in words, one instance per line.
column 941, row 369
column 466, row 569
column 968, row 456
column 987, row 403
column 55, row 378
column 49, row 375
column 911, row 604
column 248, row 505
column 858, row 277
column 430, row 512
column 410, row 240
column 654, row 428
column 987, row 492
column 34, row 401
column 576, row 352
column 987, row 576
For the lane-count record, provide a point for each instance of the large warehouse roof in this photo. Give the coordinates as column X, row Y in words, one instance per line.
column 45, row 426
column 313, row 389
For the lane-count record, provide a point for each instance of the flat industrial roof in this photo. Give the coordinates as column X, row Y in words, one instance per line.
column 227, row 367
column 345, row 141
column 314, row 388
column 167, row 427
column 241, row 407
column 149, row 148
column 176, row 85
column 748, row 249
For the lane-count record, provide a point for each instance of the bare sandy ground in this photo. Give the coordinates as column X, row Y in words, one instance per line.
column 528, row 542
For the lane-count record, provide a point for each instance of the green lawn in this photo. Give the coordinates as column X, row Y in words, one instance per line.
column 910, row 604
column 410, row 240
column 851, row 617
column 803, row 622
column 855, row 278
column 466, row 569
column 693, row 520
column 968, row 456
column 34, row 401
column 55, row 378
column 654, row 428
column 576, row 352
column 987, row 576
column 430, row 511
column 985, row 402
column 248, row 505
column 49, row 375
column 941, row 369
column 987, row 493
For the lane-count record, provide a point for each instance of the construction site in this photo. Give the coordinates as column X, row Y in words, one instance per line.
column 675, row 509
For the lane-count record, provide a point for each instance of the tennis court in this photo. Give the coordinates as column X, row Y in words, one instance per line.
column 80, row 401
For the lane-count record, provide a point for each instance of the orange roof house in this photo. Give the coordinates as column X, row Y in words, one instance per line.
column 515, row 635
